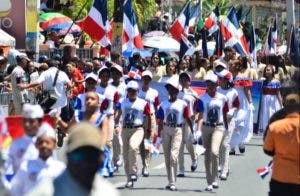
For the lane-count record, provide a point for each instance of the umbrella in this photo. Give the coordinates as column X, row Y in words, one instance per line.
column 155, row 33
column 162, row 43
column 62, row 22
column 74, row 29
column 50, row 15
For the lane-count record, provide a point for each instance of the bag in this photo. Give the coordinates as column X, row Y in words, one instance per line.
column 48, row 97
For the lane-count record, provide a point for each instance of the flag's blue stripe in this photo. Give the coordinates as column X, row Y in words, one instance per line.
column 233, row 19
column 129, row 12
column 101, row 6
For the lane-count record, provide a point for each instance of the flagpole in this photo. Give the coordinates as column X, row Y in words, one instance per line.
column 75, row 19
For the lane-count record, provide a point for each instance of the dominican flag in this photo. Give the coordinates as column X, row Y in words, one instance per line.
column 151, row 148
column 263, row 172
column 293, row 50
column 252, row 47
column 219, row 43
column 267, row 47
column 135, row 73
column 211, row 23
column 181, row 24
column 186, row 47
column 194, row 15
column 131, row 37
column 233, row 34
column 204, row 43
column 96, row 24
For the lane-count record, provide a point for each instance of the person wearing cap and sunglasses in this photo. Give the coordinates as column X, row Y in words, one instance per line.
column 226, row 88
column 151, row 96
column 120, row 86
column 212, row 120
column 171, row 115
column 132, row 110
column 188, row 95
column 45, row 166
column 24, row 148
column 84, row 157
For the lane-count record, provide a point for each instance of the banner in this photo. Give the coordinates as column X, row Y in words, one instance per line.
column 32, row 25
column 12, row 20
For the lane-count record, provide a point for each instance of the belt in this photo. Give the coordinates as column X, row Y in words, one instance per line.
column 212, row 124
column 173, row 125
column 132, row 126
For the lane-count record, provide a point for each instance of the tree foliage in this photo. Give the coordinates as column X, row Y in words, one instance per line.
column 209, row 5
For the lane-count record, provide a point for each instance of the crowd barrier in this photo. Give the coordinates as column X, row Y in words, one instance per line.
column 82, row 53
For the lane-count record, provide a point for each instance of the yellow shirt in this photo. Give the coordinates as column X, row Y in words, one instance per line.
column 199, row 74
column 283, row 138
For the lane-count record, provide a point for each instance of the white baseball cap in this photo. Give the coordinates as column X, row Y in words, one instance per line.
column 173, row 81
column 103, row 68
column 225, row 74
column 118, row 67
column 32, row 111
column 211, row 77
column 133, row 85
column 219, row 63
column 92, row 76
column 147, row 73
column 46, row 130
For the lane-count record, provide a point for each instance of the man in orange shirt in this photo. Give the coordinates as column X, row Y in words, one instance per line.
column 283, row 143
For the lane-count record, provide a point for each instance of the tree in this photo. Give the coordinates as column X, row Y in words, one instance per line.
column 209, row 5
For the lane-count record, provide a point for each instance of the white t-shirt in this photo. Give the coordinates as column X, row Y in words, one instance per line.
column 212, row 107
column 111, row 95
column 173, row 113
column 121, row 89
column 232, row 97
column 133, row 112
column 151, row 96
column 19, row 76
column 189, row 96
column 47, row 78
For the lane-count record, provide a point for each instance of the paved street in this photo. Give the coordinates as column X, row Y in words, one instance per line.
column 243, row 179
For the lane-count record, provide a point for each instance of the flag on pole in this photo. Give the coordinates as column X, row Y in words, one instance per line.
column 233, row 34
column 135, row 73
column 219, row 43
column 266, row 48
column 131, row 36
column 181, row 24
column 186, row 47
column 252, row 47
column 263, row 172
column 204, row 43
column 194, row 15
column 211, row 23
column 96, row 24
column 151, row 148
column 293, row 50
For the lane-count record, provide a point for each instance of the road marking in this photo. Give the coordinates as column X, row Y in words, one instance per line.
column 160, row 166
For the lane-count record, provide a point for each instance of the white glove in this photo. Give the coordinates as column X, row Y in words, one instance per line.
column 230, row 113
column 251, row 106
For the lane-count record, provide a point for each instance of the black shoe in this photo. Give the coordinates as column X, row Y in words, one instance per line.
column 145, row 172
column 134, row 178
column 194, row 165
column 180, row 175
column 60, row 137
column 215, row 185
column 129, row 184
column 223, row 177
column 242, row 150
column 232, row 152
column 171, row 187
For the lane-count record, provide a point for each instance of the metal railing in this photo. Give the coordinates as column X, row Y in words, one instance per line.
column 82, row 53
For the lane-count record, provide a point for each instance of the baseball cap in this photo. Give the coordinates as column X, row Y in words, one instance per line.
column 84, row 134
column 133, row 85
column 219, row 63
column 92, row 76
column 22, row 55
column 173, row 81
column 46, row 130
column 117, row 67
column 147, row 73
column 211, row 77
column 32, row 111
column 225, row 74
column 102, row 69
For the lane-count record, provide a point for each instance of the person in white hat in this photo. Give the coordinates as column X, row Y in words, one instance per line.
column 112, row 96
column 24, row 148
column 188, row 95
column 120, row 86
column 133, row 111
column 171, row 116
column 212, row 108
column 226, row 88
column 151, row 96
column 19, row 77
column 33, row 171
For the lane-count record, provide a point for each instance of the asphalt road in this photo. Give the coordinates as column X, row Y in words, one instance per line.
column 242, row 181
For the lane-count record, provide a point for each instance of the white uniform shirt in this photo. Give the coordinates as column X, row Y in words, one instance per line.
column 173, row 113
column 111, row 95
column 133, row 112
column 121, row 89
column 189, row 96
column 80, row 101
column 33, row 171
column 151, row 96
column 232, row 97
column 47, row 78
column 19, row 76
column 212, row 107
column 21, row 149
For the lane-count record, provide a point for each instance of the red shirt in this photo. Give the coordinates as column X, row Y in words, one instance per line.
column 78, row 88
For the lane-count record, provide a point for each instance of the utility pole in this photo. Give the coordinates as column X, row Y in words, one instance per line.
column 290, row 16
column 118, row 25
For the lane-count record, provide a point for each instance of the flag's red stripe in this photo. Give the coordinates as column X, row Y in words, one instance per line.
column 209, row 23
column 93, row 29
column 176, row 30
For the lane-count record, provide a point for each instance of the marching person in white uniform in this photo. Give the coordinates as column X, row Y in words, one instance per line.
column 212, row 107
column 33, row 171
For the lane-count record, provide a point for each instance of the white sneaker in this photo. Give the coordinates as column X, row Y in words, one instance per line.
column 215, row 185
column 119, row 163
column 209, row 188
